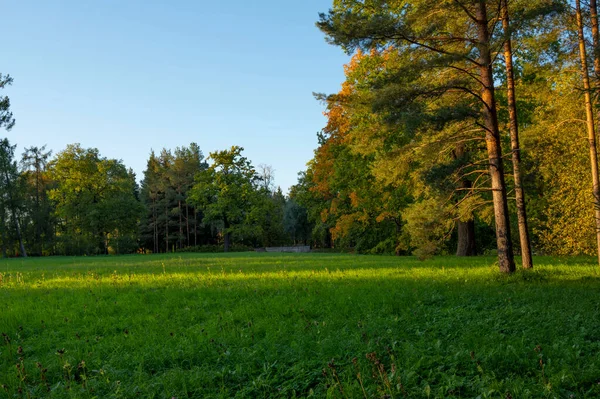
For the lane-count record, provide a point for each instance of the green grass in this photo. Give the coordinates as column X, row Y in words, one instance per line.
column 276, row 325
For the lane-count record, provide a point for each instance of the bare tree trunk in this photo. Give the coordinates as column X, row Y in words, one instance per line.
column 506, row 260
column 527, row 260
column 589, row 113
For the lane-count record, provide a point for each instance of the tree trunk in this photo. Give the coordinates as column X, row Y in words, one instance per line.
column 596, row 40
column 398, row 225
column 527, row 260
column 506, row 260
column 187, row 224
column 226, row 235
column 466, row 232
column 167, row 229
column 180, row 240
column 195, row 228
column 596, row 48
column 14, row 215
column 2, row 236
column 466, row 238
column 19, row 237
column 38, row 232
column 155, row 226
column 589, row 113
column 465, row 229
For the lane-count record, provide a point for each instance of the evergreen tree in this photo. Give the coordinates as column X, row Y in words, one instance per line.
column 36, row 184
column 10, row 195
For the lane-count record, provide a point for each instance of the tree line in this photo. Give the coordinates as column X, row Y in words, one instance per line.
column 78, row 202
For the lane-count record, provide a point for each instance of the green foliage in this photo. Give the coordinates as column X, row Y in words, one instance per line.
column 95, row 202
column 6, row 117
column 303, row 325
column 559, row 171
column 170, row 219
column 268, row 216
column 427, row 224
column 408, row 118
column 38, row 226
column 11, row 202
column 226, row 192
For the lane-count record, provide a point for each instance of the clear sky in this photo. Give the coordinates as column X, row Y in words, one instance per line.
column 128, row 76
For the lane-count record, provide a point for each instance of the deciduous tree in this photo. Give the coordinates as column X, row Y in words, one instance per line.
column 226, row 192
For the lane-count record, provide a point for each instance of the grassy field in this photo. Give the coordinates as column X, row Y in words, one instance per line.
column 305, row 325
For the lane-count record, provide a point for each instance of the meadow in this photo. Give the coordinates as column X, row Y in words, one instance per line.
column 303, row 325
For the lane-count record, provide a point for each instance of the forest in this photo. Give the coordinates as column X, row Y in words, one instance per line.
column 461, row 128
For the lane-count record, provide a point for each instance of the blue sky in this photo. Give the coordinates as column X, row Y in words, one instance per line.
column 128, row 76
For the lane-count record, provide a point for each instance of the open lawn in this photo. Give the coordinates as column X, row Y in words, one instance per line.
column 277, row 325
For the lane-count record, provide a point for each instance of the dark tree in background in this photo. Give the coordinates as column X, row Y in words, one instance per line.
column 10, row 198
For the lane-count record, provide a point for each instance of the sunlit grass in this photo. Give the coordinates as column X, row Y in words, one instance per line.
column 276, row 325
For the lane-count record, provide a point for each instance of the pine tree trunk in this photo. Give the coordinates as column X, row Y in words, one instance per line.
column 466, row 238
column 591, row 130
column 596, row 48
column 466, row 232
column 596, row 41
column 527, row 260
column 506, row 261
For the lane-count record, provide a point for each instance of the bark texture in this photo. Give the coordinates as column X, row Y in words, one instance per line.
column 525, row 242
column 589, row 114
column 506, row 261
